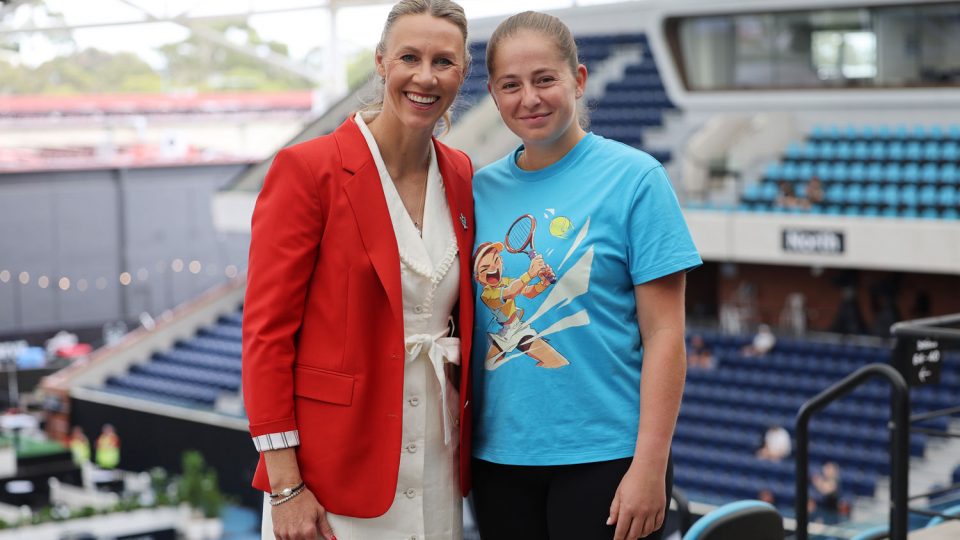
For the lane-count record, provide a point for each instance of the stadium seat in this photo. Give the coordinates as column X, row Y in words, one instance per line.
column 928, row 196
column 911, row 173
column 930, row 173
column 947, row 196
column 876, row 533
column 937, row 520
column 755, row 520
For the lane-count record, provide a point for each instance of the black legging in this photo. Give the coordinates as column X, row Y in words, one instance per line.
column 557, row 502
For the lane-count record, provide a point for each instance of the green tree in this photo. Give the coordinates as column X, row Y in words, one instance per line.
column 198, row 63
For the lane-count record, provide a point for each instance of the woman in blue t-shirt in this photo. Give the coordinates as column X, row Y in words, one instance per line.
column 579, row 266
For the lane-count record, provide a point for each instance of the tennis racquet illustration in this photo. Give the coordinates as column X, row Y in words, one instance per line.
column 519, row 238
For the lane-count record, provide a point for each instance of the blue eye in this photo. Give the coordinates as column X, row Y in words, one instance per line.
column 408, row 58
column 443, row 62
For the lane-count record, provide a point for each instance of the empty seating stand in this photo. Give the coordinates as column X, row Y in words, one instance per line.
column 727, row 409
column 194, row 373
column 628, row 106
column 870, row 171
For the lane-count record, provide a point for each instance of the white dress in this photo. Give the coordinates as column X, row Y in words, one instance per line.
column 427, row 504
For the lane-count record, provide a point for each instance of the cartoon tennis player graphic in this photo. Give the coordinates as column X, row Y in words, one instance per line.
column 500, row 293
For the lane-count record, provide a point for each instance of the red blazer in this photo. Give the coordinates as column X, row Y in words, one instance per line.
column 323, row 342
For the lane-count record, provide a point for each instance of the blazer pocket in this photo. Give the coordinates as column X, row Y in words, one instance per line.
column 323, row 385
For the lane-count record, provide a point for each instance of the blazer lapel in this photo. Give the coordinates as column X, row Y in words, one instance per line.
column 369, row 205
column 453, row 189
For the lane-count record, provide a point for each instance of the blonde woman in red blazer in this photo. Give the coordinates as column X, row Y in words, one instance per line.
column 359, row 269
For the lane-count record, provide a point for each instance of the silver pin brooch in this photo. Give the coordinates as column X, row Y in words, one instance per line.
column 463, row 221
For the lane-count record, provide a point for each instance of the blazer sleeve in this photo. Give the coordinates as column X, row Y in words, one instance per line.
column 287, row 226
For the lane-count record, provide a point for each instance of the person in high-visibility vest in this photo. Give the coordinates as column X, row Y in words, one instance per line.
column 79, row 446
column 108, row 448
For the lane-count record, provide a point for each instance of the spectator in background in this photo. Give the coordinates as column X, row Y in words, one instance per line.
column 776, row 444
column 849, row 319
column 698, row 354
column 79, row 446
column 787, row 197
column 766, row 496
column 814, row 195
column 108, row 448
column 827, row 484
column 762, row 343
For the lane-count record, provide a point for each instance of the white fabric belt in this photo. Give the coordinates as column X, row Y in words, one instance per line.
column 439, row 350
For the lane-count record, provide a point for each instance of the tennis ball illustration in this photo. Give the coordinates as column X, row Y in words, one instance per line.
column 561, row 227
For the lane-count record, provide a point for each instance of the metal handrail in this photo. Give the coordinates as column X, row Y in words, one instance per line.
column 899, row 444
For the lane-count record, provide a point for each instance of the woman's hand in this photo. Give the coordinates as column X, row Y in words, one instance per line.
column 640, row 504
column 301, row 518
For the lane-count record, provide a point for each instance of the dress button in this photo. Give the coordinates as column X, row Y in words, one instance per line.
column 418, row 309
column 410, row 493
column 414, row 401
column 456, row 422
column 412, row 448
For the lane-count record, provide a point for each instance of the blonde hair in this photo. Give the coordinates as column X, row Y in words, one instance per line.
column 441, row 9
column 551, row 28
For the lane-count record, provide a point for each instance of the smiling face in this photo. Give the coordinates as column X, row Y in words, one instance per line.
column 423, row 67
column 536, row 90
column 490, row 268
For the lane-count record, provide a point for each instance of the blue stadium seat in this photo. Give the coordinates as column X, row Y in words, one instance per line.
column 911, row 173
column 949, row 174
column 871, row 195
column 894, row 172
column 856, row 194
column 858, row 171
column 844, row 150
column 909, row 196
column 931, row 151
column 841, row 172
column 738, row 520
column 876, row 172
column 947, row 196
column 875, row 533
column 930, row 173
column 952, row 511
column 895, row 151
column 930, row 213
column 950, row 151
column 836, row 194
column 913, row 151
column 953, row 132
column 861, row 151
column 878, row 151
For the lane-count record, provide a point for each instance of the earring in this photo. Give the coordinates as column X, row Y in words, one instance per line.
column 383, row 80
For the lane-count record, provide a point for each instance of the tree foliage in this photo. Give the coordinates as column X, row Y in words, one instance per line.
column 195, row 64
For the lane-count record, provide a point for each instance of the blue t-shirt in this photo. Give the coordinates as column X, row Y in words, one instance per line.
column 557, row 365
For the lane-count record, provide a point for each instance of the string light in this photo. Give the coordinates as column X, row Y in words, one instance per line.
column 126, row 278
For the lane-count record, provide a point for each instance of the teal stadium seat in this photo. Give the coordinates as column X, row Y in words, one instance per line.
column 739, row 520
